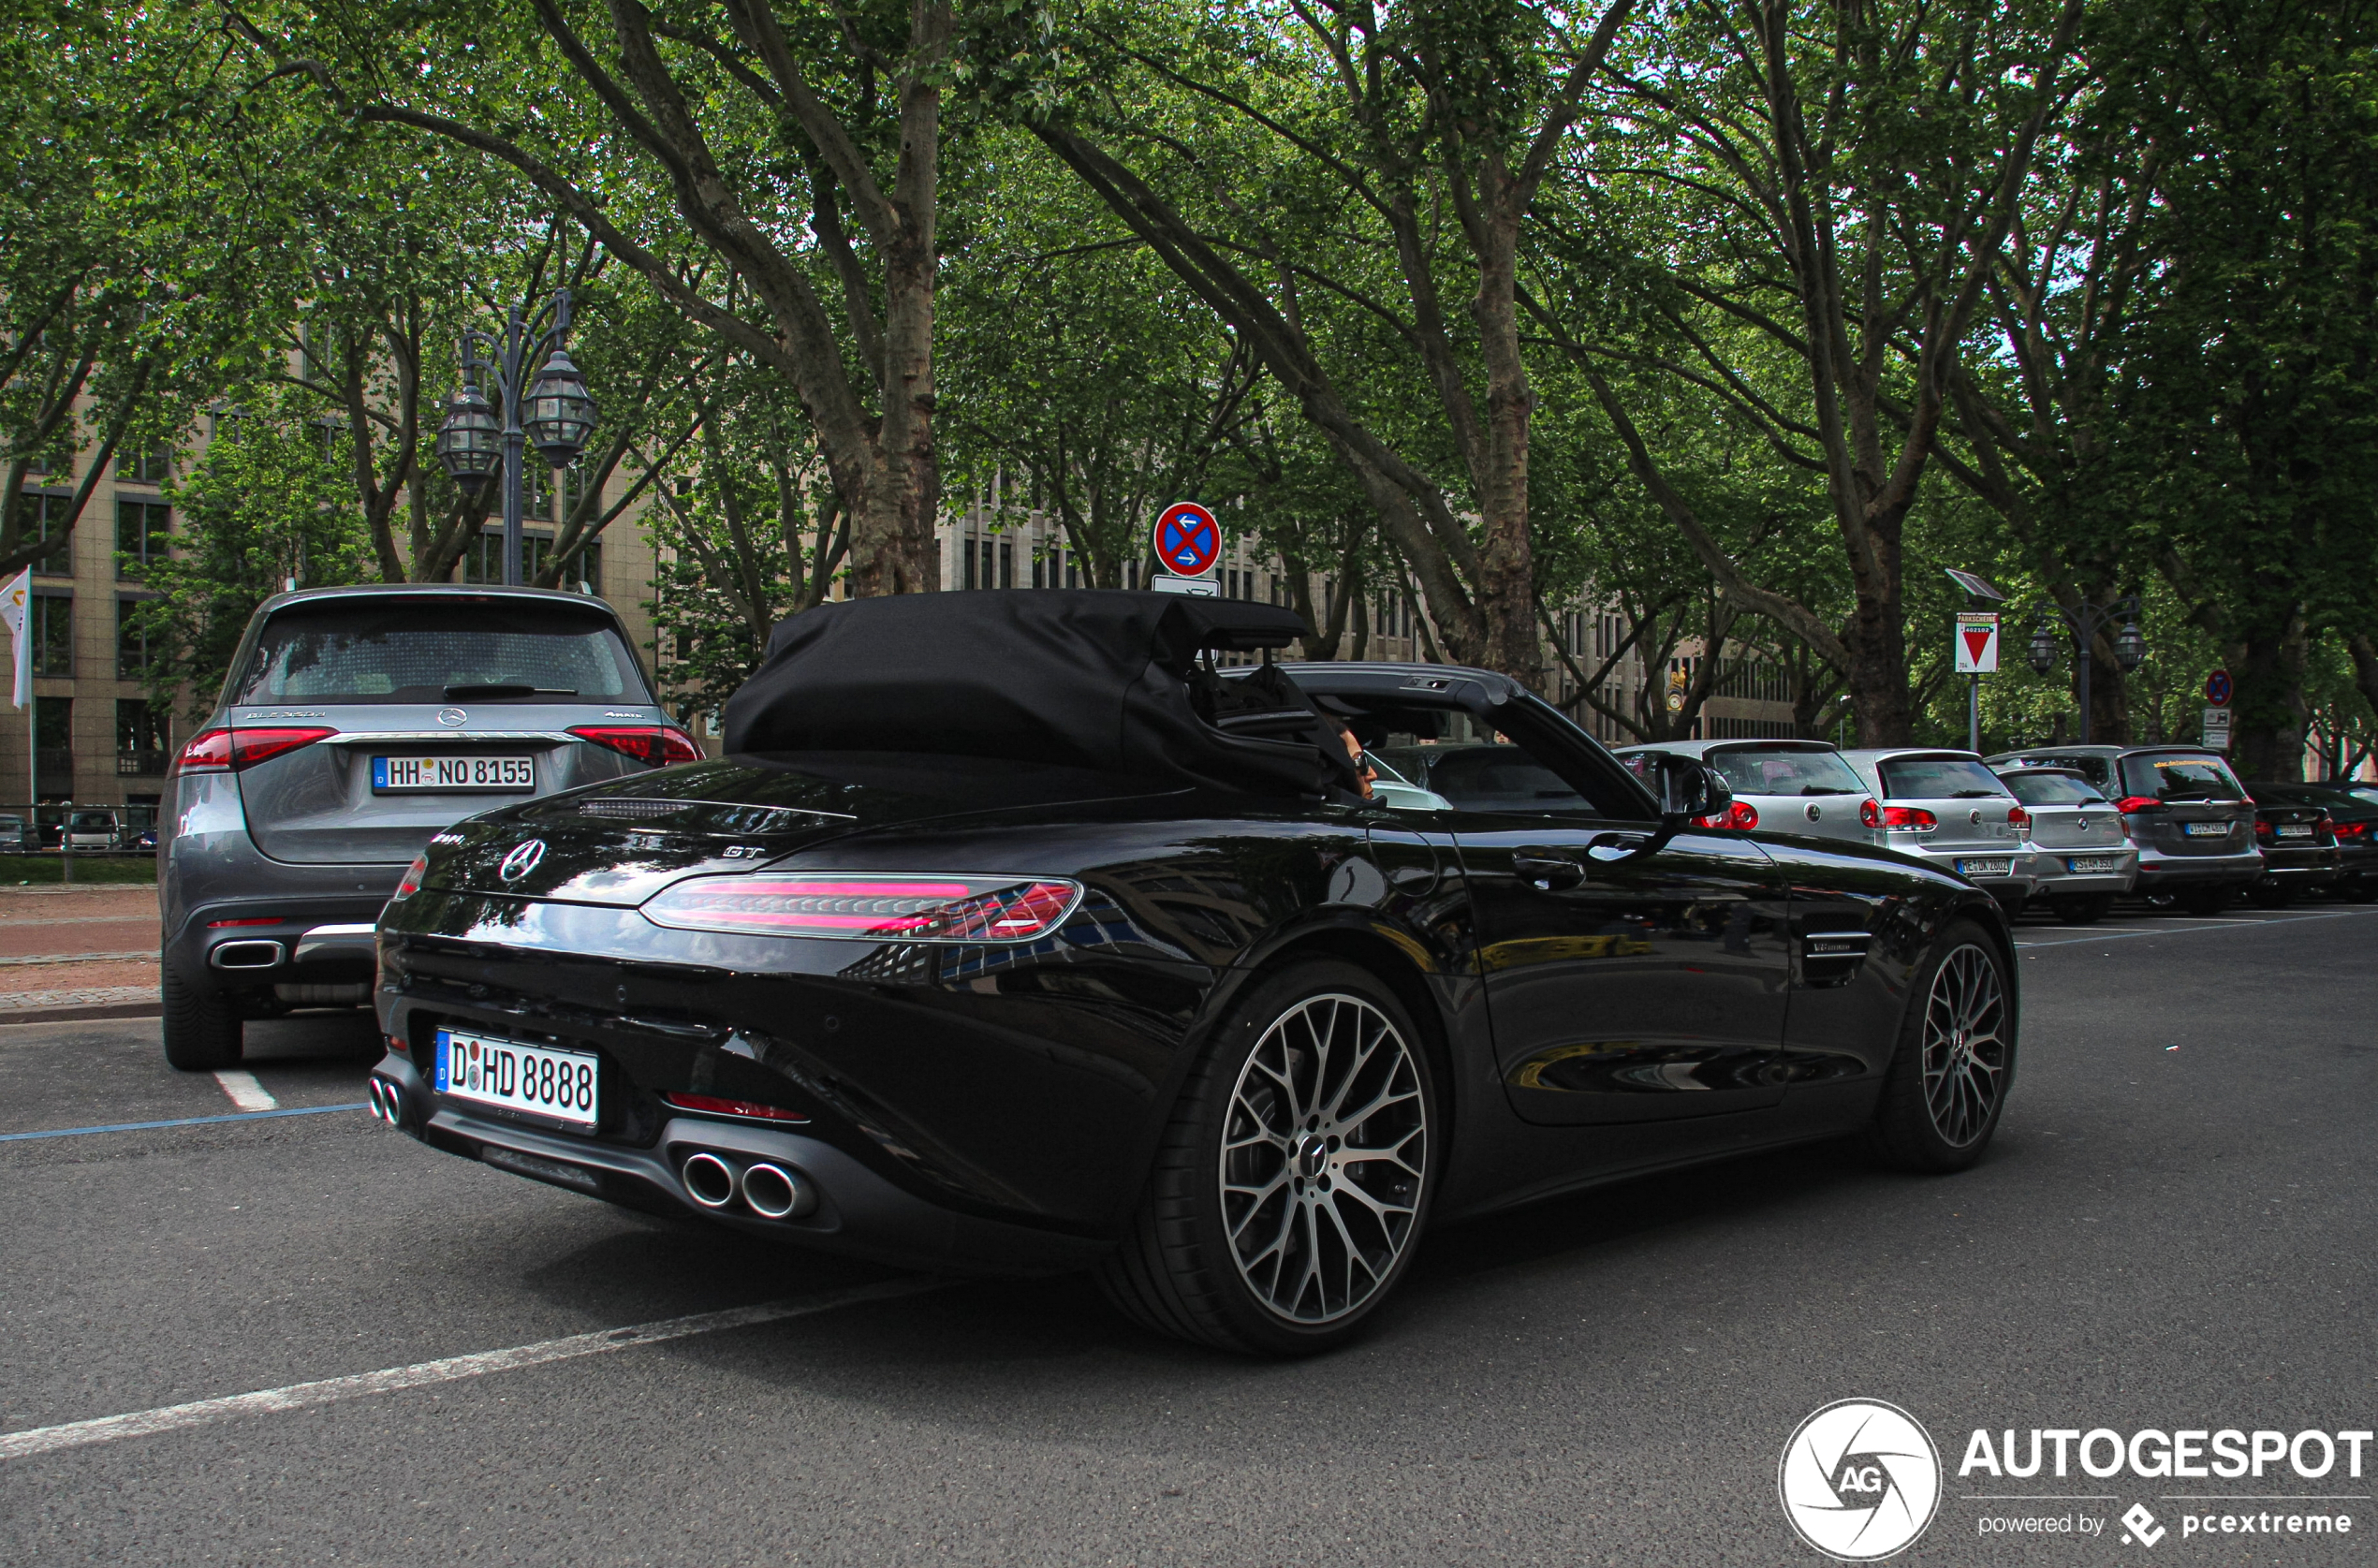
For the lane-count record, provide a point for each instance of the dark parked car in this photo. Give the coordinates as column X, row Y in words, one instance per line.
column 2352, row 806
column 1013, row 934
column 2191, row 819
column 2300, row 852
column 354, row 723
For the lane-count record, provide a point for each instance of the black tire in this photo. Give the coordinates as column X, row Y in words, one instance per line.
column 2270, row 895
column 1182, row 1269
column 2203, row 900
column 2082, row 909
column 202, row 1027
column 1947, row 1084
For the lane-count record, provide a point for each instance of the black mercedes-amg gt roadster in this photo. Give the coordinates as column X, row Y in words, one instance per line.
column 1032, row 930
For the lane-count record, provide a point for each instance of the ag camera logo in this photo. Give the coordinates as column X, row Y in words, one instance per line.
column 1860, row 1480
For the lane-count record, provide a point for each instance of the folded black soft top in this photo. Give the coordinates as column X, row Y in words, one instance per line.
column 1095, row 678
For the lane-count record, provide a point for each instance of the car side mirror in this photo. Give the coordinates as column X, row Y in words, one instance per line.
column 1690, row 788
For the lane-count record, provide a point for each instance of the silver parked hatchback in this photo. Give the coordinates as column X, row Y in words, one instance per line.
column 1945, row 807
column 355, row 723
column 1781, row 787
column 2083, row 854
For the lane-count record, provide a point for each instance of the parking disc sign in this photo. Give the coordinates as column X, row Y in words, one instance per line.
column 1187, row 539
column 1977, row 642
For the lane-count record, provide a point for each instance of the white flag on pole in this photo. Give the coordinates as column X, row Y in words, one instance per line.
column 16, row 612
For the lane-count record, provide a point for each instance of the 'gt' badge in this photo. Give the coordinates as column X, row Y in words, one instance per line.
column 523, row 860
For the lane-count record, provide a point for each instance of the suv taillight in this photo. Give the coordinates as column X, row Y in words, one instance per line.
column 662, row 745
column 228, row 751
column 2130, row 803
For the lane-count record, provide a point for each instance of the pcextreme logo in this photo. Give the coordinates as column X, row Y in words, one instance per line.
column 1860, row 1480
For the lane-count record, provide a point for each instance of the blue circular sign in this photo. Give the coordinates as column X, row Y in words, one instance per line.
column 1188, row 540
column 2217, row 688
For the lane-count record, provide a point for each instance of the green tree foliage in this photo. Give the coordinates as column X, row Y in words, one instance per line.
column 270, row 504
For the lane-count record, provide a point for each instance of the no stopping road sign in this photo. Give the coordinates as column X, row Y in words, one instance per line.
column 1187, row 539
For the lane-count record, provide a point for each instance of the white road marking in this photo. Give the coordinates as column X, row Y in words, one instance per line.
column 244, row 1090
column 297, row 1395
column 2182, row 928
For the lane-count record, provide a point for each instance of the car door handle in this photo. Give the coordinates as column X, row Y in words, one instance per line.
column 1547, row 868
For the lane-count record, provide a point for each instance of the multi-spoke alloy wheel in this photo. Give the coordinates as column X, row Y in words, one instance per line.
column 1324, row 1155
column 1964, row 1046
column 1294, row 1177
column 1955, row 1059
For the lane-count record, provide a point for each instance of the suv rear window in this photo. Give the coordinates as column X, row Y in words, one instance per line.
column 2051, row 789
column 2180, row 778
column 1939, row 778
column 1758, row 770
column 411, row 650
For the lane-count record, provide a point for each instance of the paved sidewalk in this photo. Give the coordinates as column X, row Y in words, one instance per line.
column 78, row 952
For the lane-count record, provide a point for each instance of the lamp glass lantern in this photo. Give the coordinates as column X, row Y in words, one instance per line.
column 2043, row 649
column 2130, row 647
column 470, row 442
column 560, row 411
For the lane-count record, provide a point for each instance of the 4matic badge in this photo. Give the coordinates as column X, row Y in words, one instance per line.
column 1860, row 1480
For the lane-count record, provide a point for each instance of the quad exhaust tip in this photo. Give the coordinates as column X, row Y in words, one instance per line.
column 765, row 1187
column 771, row 1191
column 710, row 1181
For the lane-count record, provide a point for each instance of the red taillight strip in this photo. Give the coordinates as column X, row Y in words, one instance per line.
column 749, row 1110
column 228, row 751
column 911, row 909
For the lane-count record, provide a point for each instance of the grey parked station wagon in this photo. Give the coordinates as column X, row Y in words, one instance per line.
column 355, row 724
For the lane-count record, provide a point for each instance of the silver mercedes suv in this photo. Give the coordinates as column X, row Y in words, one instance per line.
column 354, row 723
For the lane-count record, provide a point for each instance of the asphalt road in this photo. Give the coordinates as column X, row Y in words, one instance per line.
column 2174, row 1230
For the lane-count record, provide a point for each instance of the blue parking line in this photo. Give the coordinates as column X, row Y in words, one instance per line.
column 182, row 1121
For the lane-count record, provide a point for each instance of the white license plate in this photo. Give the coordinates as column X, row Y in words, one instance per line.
column 453, row 773
column 1986, row 868
column 2095, row 863
column 2295, row 830
column 2205, row 830
column 561, row 1084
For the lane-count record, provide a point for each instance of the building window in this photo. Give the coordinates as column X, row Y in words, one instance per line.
column 53, row 634
column 53, row 746
column 141, row 531
column 140, row 737
column 150, row 467
column 484, row 561
column 132, row 651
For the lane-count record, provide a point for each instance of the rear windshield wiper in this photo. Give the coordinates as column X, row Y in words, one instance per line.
column 459, row 693
column 1974, row 795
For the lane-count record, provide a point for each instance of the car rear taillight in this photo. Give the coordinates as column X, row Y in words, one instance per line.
column 2130, row 803
column 751, row 1110
column 1742, row 816
column 867, row 908
column 2352, row 829
column 1870, row 813
column 2264, row 829
column 410, row 883
column 662, row 745
column 1909, row 819
column 228, row 751
column 2017, row 817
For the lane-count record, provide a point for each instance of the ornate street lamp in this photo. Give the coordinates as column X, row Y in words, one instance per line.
column 557, row 414
column 2130, row 643
column 470, row 444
